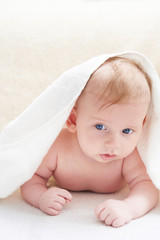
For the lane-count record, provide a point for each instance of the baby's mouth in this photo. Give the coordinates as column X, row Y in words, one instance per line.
column 106, row 157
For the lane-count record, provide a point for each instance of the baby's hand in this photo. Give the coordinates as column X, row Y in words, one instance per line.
column 114, row 212
column 53, row 200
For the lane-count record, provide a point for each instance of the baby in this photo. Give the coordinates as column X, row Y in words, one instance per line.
column 97, row 149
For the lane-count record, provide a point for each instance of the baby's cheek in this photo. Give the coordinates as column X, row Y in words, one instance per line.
column 87, row 144
column 129, row 148
column 83, row 142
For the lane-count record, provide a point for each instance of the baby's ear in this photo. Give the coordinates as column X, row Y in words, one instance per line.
column 71, row 121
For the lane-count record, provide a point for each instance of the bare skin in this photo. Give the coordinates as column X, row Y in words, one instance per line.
column 97, row 154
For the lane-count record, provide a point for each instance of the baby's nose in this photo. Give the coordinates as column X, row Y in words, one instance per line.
column 112, row 141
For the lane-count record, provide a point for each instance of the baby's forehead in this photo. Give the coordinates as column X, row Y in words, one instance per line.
column 92, row 100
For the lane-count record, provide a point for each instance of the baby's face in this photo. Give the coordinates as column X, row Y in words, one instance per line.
column 109, row 133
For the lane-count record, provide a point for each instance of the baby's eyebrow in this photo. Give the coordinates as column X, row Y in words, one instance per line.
column 132, row 127
column 98, row 119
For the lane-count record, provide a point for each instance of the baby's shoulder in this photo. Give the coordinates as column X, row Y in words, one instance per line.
column 64, row 134
column 58, row 146
column 63, row 139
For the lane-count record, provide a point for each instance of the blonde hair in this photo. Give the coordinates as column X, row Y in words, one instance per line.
column 119, row 80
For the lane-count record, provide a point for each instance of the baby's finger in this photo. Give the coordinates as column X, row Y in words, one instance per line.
column 60, row 200
column 99, row 209
column 103, row 215
column 56, row 205
column 117, row 223
column 67, row 201
column 110, row 219
column 52, row 211
column 65, row 194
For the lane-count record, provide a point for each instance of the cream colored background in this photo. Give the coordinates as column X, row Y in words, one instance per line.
column 40, row 39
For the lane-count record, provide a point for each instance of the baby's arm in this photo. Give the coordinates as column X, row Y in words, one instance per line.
column 142, row 198
column 35, row 191
column 143, row 194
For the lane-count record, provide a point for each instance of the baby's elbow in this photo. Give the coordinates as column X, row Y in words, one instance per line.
column 156, row 196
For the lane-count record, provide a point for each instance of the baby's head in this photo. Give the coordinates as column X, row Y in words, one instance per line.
column 109, row 114
column 118, row 80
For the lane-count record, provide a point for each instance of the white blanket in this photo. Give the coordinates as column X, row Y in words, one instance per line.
column 20, row 221
column 26, row 140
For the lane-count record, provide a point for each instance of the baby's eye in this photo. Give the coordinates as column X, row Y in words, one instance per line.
column 100, row 127
column 127, row 131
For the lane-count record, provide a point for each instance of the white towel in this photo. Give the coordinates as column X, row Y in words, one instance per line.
column 25, row 141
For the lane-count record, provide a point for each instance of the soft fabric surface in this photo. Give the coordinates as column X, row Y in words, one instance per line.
column 18, row 220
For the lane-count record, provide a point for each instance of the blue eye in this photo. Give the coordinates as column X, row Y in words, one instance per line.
column 127, row 131
column 100, row 127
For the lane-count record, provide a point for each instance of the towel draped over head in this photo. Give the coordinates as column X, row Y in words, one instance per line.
column 26, row 140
